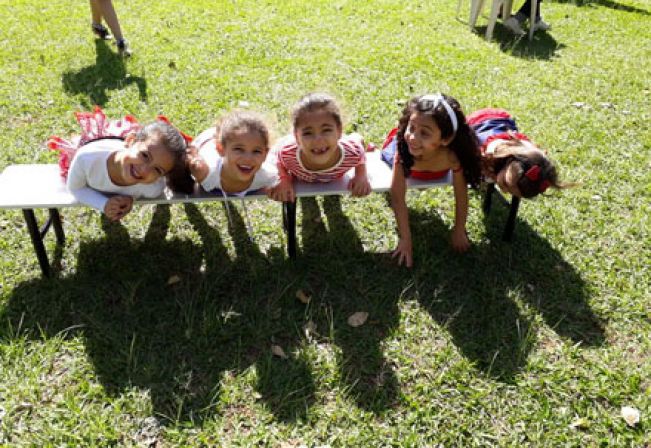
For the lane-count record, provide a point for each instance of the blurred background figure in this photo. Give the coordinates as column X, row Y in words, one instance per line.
column 103, row 9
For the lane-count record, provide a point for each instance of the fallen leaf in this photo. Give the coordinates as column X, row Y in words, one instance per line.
column 173, row 280
column 630, row 415
column 357, row 319
column 303, row 296
column 580, row 423
column 278, row 351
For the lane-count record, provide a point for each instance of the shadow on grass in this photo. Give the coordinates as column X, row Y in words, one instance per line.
column 607, row 4
column 108, row 73
column 345, row 280
column 176, row 341
column 473, row 294
column 543, row 45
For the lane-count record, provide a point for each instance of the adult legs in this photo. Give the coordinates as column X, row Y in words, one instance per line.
column 104, row 8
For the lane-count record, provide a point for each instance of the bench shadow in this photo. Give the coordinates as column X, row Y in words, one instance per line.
column 343, row 279
column 473, row 295
column 177, row 320
column 108, row 73
column 543, row 46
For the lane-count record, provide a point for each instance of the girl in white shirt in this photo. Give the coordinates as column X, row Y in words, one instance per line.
column 113, row 162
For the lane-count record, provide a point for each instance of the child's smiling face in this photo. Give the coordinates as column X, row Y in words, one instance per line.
column 244, row 152
column 423, row 137
column 143, row 162
column 317, row 135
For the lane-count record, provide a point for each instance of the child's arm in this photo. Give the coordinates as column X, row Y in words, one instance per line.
column 284, row 191
column 197, row 165
column 460, row 241
column 359, row 185
column 399, row 204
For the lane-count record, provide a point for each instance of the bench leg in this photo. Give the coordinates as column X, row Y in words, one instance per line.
column 488, row 198
column 510, row 224
column 37, row 241
column 55, row 218
column 289, row 222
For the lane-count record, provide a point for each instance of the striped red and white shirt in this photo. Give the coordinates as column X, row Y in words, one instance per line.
column 352, row 154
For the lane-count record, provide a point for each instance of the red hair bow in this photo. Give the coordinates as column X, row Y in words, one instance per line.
column 533, row 173
column 164, row 119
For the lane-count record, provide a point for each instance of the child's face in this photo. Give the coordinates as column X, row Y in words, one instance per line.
column 144, row 162
column 244, row 152
column 507, row 179
column 318, row 134
column 423, row 137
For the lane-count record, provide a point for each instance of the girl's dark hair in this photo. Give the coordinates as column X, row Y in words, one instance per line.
column 241, row 120
column 313, row 102
column 178, row 178
column 464, row 144
column 514, row 151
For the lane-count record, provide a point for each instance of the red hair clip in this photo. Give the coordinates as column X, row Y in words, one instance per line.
column 533, row 173
column 544, row 185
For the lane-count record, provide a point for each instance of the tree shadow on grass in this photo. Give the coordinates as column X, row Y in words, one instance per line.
column 543, row 46
column 177, row 340
column 345, row 280
column 108, row 73
column 473, row 295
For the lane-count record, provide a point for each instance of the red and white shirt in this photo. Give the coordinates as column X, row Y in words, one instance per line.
column 352, row 151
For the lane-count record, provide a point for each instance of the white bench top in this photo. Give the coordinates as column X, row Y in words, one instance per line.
column 41, row 186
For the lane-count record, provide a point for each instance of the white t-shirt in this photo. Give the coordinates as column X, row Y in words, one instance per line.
column 266, row 176
column 89, row 181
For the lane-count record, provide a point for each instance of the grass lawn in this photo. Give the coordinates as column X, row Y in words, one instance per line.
column 536, row 343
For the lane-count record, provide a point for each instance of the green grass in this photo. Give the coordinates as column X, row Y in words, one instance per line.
column 506, row 345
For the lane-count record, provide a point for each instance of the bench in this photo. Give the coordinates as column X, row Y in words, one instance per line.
column 30, row 187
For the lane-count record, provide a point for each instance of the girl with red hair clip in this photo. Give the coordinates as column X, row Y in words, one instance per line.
column 509, row 158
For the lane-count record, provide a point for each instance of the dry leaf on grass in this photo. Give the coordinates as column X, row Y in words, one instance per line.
column 173, row 280
column 278, row 351
column 631, row 415
column 303, row 296
column 357, row 319
column 580, row 423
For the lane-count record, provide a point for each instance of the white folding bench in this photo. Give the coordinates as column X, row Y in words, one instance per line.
column 30, row 187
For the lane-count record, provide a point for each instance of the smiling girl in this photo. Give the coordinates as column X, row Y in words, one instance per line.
column 318, row 151
column 114, row 161
column 431, row 139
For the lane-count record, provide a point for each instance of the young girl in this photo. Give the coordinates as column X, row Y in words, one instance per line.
column 432, row 138
column 114, row 161
column 318, row 151
column 231, row 157
column 509, row 158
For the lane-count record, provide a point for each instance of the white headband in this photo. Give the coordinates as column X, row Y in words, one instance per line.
column 438, row 99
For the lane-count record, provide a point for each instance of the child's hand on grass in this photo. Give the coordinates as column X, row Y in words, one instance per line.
column 459, row 239
column 404, row 253
column 117, row 207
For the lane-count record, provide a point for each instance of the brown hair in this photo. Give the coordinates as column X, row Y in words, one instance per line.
column 536, row 171
column 313, row 102
column 241, row 120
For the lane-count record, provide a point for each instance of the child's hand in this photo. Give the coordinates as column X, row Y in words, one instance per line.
column 403, row 252
column 359, row 185
column 460, row 241
column 197, row 166
column 283, row 192
column 117, row 207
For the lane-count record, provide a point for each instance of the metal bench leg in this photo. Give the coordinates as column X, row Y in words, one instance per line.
column 488, row 198
column 510, row 224
column 55, row 218
column 289, row 221
column 37, row 241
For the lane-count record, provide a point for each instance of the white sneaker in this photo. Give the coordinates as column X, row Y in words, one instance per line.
column 514, row 26
column 541, row 25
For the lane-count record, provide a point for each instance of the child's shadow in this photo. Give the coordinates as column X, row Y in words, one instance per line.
column 345, row 280
column 167, row 316
column 474, row 294
column 108, row 73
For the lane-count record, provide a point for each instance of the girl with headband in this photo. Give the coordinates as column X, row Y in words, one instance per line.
column 509, row 158
column 431, row 139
